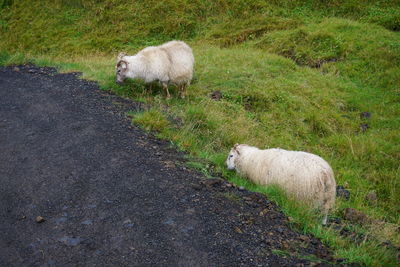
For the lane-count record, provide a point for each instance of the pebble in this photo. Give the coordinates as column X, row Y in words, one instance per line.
column 241, row 188
column 40, row 219
column 87, row 222
column 238, row 230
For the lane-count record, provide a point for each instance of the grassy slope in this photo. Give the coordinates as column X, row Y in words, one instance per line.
column 273, row 93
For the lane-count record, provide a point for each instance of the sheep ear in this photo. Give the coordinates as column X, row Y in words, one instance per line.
column 236, row 149
column 121, row 55
column 122, row 64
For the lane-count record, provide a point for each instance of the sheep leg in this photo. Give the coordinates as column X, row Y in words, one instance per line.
column 165, row 86
column 325, row 211
column 325, row 219
column 183, row 90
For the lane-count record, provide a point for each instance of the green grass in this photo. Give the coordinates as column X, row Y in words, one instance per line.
column 293, row 74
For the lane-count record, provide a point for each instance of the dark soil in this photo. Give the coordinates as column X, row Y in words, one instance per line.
column 110, row 194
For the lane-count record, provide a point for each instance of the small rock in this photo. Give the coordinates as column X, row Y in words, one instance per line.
column 304, row 238
column 212, row 182
column 263, row 212
column 365, row 115
column 241, row 188
column 341, row 192
column 127, row 223
column 169, row 164
column 238, row 230
column 355, row 216
column 40, row 219
column 371, row 198
column 247, row 199
column 228, row 185
column 87, row 222
column 216, row 95
column 16, row 69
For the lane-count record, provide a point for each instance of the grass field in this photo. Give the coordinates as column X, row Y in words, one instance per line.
column 292, row 74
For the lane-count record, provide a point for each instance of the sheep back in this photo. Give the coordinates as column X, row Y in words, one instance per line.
column 154, row 64
column 181, row 60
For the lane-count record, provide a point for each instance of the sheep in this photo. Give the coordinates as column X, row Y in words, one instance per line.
column 169, row 63
column 305, row 176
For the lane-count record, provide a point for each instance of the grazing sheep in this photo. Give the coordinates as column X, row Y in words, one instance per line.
column 305, row 176
column 170, row 63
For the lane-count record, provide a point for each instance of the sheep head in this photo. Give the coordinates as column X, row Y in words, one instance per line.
column 121, row 70
column 233, row 155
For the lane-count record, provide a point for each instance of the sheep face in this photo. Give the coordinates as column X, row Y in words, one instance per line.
column 121, row 71
column 233, row 155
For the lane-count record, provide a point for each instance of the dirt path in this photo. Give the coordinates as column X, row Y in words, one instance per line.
column 113, row 195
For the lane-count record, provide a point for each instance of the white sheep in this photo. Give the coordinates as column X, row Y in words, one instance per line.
column 305, row 176
column 170, row 63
